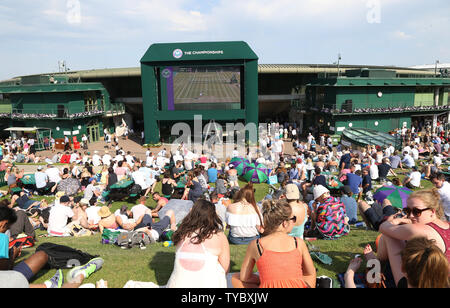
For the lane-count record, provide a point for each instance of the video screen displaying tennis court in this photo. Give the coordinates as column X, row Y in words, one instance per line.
column 203, row 87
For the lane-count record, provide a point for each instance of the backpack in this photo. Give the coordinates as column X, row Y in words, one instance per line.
column 135, row 189
column 63, row 257
column 132, row 239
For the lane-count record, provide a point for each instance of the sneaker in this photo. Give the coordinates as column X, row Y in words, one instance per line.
column 57, row 280
column 324, row 282
column 87, row 269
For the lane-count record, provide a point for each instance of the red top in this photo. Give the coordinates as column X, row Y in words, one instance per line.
column 445, row 234
column 281, row 269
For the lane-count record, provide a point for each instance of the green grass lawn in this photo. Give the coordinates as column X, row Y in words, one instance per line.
column 155, row 263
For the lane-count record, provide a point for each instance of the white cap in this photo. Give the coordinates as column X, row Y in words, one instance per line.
column 319, row 190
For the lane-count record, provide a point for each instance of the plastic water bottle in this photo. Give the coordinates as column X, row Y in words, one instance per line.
column 360, row 224
column 168, row 243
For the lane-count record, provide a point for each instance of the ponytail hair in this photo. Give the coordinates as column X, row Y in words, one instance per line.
column 274, row 214
column 425, row 264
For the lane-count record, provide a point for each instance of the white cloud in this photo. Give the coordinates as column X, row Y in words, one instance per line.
column 401, row 35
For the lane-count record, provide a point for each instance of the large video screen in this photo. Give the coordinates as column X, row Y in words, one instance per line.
column 202, row 87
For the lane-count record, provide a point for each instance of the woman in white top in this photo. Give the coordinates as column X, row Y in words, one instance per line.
column 243, row 217
column 203, row 253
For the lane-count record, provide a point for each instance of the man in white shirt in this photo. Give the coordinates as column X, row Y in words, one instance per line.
column 413, row 180
column 415, row 153
column 140, row 209
column 74, row 157
column 96, row 159
column 139, row 178
column 443, row 187
column 106, row 160
column 53, row 173
column 59, row 215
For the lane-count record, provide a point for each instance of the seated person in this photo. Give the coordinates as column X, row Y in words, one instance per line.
column 43, row 184
column 282, row 261
column 413, row 180
column 59, row 218
column 351, row 207
column 160, row 202
column 328, row 217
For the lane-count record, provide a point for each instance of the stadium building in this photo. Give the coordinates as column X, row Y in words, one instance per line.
column 330, row 97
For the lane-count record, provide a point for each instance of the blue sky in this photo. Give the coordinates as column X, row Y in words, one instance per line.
column 94, row 34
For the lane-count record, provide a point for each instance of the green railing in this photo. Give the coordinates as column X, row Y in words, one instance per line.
column 53, row 113
column 373, row 108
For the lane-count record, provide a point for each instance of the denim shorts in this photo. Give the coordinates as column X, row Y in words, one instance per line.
column 242, row 240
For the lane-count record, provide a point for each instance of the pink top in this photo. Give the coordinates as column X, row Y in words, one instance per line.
column 445, row 235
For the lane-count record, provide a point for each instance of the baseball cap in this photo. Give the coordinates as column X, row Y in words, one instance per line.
column 319, row 190
column 39, row 167
column 292, row 192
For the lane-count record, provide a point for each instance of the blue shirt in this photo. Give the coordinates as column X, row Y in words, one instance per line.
column 351, row 208
column 354, row 181
column 4, row 246
column 212, row 175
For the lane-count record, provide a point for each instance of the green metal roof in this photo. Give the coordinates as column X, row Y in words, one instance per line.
column 363, row 82
column 364, row 137
column 198, row 51
column 46, row 88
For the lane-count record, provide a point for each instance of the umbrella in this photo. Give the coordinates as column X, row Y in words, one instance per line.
column 70, row 186
column 256, row 174
column 239, row 164
column 396, row 194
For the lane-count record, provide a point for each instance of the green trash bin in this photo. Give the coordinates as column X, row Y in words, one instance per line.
column 2, row 179
column 335, row 139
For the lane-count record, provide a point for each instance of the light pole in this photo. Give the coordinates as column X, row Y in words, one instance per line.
column 338, row 64
column 435, row 68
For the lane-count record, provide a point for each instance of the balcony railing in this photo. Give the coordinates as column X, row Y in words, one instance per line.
column 348, row 108
column 50, row 113
column 115, row 109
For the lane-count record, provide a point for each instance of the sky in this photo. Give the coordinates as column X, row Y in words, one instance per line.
column 97, row 34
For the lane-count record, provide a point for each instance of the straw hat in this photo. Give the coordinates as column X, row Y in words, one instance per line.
column 104, row 212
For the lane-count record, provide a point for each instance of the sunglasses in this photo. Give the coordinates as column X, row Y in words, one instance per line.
column 294, row 219
column 415, row 211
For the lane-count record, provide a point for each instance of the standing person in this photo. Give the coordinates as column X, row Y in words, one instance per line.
column 53, row 144
column 84, row 139
column 282, row 261
column 203, row 255
column 67, row 146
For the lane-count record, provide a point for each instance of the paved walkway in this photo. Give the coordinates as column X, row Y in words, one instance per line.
column 134, row 147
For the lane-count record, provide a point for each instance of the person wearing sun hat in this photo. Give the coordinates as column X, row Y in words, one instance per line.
column 108, row 219
column 328, row 216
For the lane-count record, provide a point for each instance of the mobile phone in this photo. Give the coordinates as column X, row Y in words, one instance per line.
column 400, row 214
